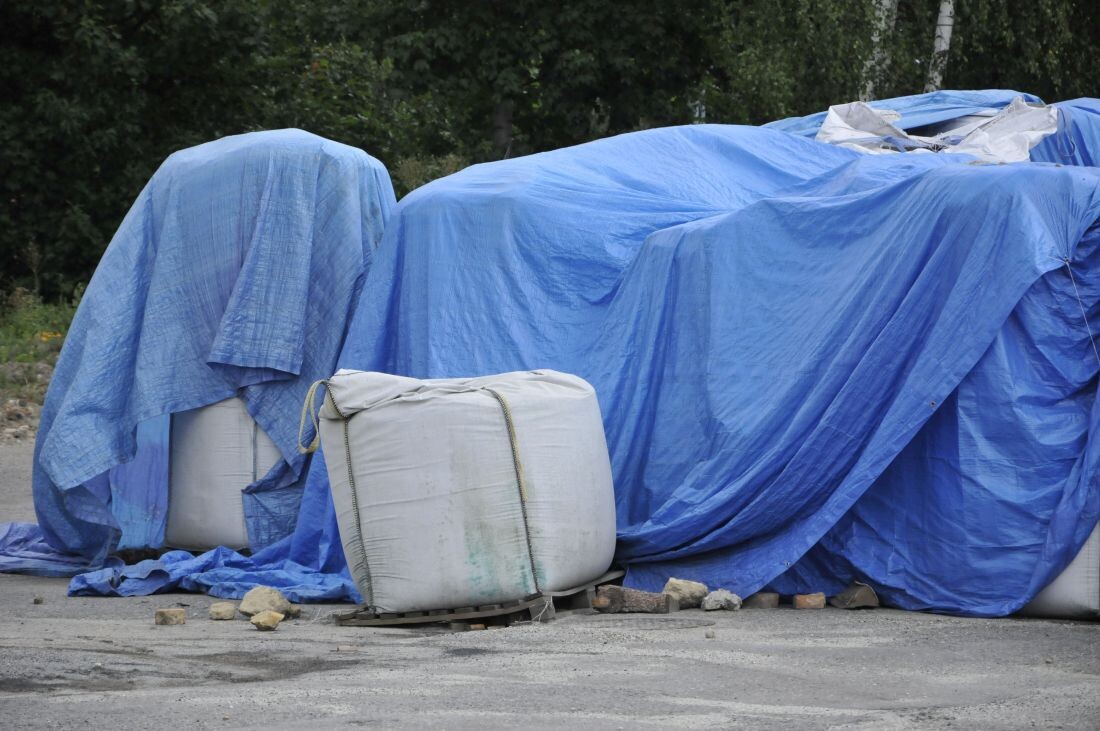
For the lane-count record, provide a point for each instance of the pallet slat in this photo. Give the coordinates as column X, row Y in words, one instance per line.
column 540, row 608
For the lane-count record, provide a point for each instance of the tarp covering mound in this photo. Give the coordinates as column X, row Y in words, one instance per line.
column 764, row 360
column 813, row 364
column 235, row 272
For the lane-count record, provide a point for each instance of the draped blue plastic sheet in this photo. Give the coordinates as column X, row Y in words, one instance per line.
column 235, row 272
column 762, row 360
column 918, row 110
column 1077, row 141
column 813, row 364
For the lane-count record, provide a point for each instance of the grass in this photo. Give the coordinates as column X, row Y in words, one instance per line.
column 31, row 334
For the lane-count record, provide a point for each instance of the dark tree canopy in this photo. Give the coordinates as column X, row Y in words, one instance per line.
column 97, row 93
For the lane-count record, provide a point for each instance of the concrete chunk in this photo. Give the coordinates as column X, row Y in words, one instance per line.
column 266, row 620
column 721, row 599
column 614, row 599
column 809, row 601
column 223, row 610
column 857, row 596
column 761, row 600
column 170, row 616
column 688, row 594
column 262, row 599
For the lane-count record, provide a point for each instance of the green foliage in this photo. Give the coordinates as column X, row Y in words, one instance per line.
column 98, row 92
column 412, row 172
column 31, row 334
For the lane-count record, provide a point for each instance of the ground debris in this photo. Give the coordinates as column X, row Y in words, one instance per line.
column 174, row 615
column 267, row 620
column 223, row 610
column 761, row 600
column 264, row 598
column 688, row 594
column 857, row 596
column 809, row 601
column 721, row 599
column 612, row 599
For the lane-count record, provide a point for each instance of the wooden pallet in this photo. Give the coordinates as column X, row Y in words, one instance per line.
column 534, row 609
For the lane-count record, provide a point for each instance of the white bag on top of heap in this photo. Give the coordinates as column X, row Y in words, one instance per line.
column 468, row 491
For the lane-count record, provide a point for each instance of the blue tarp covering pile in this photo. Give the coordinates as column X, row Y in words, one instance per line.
column 235, row 272
column 814, row 365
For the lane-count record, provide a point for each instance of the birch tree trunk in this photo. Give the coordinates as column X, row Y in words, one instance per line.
column 941, row 44
column 886, row 12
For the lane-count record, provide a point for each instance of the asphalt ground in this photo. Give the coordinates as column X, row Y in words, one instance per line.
column 102, row 663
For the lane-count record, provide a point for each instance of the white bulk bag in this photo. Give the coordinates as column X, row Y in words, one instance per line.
column 435, row 511
column 216, row 452
column 1075, row 593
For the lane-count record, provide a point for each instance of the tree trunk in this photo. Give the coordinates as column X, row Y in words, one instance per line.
column 886, row 12
column 941, row 45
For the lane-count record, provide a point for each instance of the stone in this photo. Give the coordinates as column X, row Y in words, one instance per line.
column 264, row 599
column 40, row 600
column 857, row 596
column 809, row 601
column 721, row 599
column 267, row 620
column 611, row 599
column 687, row 593
column 761, row 600
column 174, row 615
column 223, row 610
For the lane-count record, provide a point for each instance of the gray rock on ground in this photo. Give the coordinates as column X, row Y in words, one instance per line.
column 264, row 598
column 266, row 620
column 687, row 593
column 721, row 599
column 223, row 610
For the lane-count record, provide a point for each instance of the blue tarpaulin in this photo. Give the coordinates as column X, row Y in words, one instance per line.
column 234, row 273
column 1077, row 141
column 918, row 110
column 764, row 360
column 813, row 364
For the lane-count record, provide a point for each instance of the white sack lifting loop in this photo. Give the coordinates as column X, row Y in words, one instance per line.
column 310, row 413
column 309, row 409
